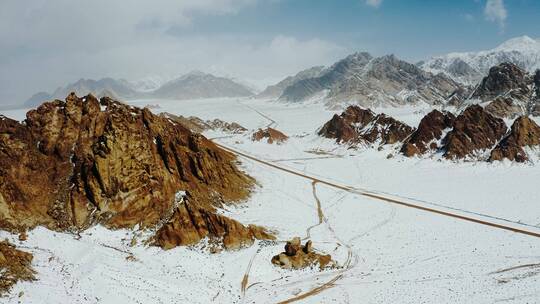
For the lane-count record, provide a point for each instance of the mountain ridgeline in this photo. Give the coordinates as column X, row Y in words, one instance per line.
column 194, row 85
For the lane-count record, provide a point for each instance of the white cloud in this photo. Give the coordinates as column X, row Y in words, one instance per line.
column 495, row 11
column 48, row 43
column 374, row 3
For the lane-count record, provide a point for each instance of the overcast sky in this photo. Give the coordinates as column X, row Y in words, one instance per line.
column 49, row 43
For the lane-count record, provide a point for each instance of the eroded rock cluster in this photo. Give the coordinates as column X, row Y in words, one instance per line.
column 270, row 135
column 198, row 125
column 509, row 91
column 298, row 256
column 76, row 163
column 361, row 126
column 475, row 134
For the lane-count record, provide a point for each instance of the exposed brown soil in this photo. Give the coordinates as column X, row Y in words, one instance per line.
column 524, row 133
column 15, row 266
column 271, row 135
column 76, row 163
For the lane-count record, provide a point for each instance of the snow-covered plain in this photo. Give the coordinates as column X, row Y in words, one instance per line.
column 388, row 253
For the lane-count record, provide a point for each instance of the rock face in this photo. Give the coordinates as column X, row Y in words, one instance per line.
column 190, row 224
column 506, row 107
column 15, row 266
column 358, row 125
column 430, row 131
column 297, row 256
column 506, row 78
column 80, row 162
column 508, row 91
column 524, row 133
column 271, row 136
column 474, row 132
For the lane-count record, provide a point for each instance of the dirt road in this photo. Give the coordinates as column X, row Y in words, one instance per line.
column 388, row 199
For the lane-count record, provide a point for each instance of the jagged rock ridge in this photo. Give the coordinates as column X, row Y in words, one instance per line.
column 361, row 126
column 80, row 162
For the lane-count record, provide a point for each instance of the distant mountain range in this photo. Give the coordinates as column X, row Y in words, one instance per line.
column 367, row 80
column 370, row 81
column 470, row 67
column 357, row 79
column 193, row 85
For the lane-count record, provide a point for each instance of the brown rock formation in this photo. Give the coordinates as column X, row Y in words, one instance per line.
column 524, row 133
column 430, row 130
column 505, row 107
column 190, row 224
column 474, row 131
column 15, row 266
column 297, row 256
column 357, row 125
column 342, row 127
column 77, row 163
column 271, row 135
column 506, row 78
column 197, row 125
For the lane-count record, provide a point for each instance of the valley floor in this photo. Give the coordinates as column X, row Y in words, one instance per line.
column 388, row 253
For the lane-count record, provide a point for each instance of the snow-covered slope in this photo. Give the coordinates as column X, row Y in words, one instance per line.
column 470, row 67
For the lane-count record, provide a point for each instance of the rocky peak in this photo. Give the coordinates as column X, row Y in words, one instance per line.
column 357, row 125
column 342, row 127
column 523, row 133
column 430, row 131
column 503, row 78
column 474, row 131
column 83, row 161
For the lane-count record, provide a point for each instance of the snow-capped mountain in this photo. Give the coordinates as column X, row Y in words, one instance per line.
column 115, row 88
column 471, row 67
column 149, row 83
column 193, row 85
column 275, row 91
column 366, row 80
column 197, row 84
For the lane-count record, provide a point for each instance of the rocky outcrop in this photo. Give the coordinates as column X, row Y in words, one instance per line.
column 508, row 91
column 506, row 107
column 297, row 256
column 15, row 266
column 474, row 132
column 430, row 131
column 523, row 133
column 191, row 223
column 502, row 79
column 357, row 125
column 76, row 163
column 198, row 125
column 271, row 135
